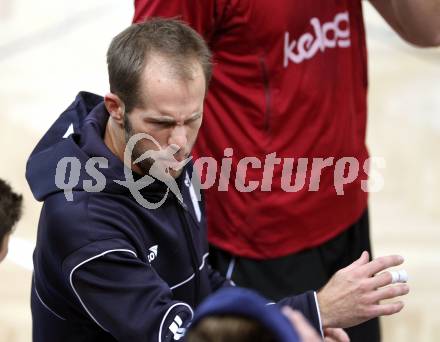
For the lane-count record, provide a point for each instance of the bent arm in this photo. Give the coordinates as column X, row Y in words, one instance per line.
column 126, row 298
column 416, row 21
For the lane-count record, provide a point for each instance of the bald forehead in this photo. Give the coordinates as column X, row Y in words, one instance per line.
column 184, row 68
column 164, row 72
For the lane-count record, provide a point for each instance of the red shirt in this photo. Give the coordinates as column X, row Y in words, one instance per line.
column 291, row 78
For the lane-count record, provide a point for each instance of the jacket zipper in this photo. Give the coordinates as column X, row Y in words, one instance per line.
column 192, row 250
column 267, row 93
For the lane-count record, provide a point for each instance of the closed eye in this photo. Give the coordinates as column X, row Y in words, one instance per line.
column 163, row 124
column 193, row 119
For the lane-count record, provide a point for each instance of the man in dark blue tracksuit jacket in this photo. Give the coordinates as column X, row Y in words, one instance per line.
column 105, row 267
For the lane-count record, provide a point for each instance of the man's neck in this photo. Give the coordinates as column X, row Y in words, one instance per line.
column 111, row 140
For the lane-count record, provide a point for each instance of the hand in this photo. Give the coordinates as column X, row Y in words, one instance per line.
column 352, row 296
column 305, row 331
column 335, row 335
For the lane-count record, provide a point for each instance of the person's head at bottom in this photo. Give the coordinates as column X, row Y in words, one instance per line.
column 230, row 328
column 241, row 315
column 10, row 213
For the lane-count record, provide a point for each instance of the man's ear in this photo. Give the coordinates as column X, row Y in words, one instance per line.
column 115, row 107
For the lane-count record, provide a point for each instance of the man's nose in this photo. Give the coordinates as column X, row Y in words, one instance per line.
column 178, row 137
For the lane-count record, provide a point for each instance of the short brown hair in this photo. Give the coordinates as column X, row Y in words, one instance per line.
column 229, row 328
column 129, row 51
column 10, row 209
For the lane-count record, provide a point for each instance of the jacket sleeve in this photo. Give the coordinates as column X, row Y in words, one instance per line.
column 202, row 15
column 124, row 296
column 217, row 280
column 307, row 304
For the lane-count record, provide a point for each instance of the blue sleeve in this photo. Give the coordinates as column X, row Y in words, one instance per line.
column 125, row 297
column 307, row 304
column 217, row 280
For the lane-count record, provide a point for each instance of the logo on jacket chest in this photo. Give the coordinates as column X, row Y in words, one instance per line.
column 152, row 253
column 328, row 35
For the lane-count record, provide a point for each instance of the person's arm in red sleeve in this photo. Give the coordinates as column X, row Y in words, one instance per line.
column 416, row 21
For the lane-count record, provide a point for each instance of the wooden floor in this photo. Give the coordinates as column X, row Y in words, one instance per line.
column 50, row 50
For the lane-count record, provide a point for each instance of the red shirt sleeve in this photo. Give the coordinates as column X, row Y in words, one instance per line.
column 202, row 15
